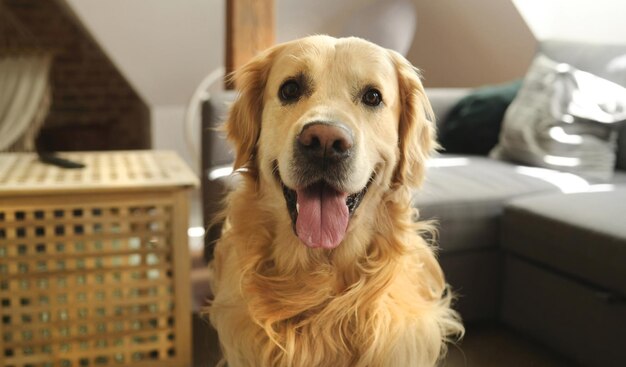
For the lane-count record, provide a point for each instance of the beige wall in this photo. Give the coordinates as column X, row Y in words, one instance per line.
column 597, row 21
column 462, row 43
column 165, row 47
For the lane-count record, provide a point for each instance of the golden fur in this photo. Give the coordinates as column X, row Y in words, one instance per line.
column 379, row 298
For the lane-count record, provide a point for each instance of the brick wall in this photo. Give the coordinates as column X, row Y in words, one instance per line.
column 93, row 106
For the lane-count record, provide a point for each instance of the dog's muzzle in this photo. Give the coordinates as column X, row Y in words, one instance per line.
column 319, row 208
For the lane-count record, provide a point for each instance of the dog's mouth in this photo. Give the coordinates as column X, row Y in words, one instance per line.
column 320, row 213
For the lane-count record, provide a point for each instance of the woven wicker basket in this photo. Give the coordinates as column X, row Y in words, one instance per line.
column 94, row 263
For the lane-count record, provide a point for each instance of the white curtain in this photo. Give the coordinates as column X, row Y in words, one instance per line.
column 25, row 98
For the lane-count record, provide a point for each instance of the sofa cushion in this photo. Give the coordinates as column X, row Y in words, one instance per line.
column 604, row 60
column 466, row 195
column 582, row 235
column 473, row 124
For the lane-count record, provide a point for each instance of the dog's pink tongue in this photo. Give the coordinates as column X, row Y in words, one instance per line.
column 322, row 217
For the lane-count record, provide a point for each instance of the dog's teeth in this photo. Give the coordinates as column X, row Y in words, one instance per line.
column 297, row 208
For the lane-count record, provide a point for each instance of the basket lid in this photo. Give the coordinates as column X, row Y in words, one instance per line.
column 23, row 173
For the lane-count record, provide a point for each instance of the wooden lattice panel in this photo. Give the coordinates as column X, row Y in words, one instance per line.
column 94, row 278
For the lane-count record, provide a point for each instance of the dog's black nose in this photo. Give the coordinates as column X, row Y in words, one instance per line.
column 325, row 140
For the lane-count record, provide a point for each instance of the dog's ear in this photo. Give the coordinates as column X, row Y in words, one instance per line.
column 416, row 132
column 244, row 121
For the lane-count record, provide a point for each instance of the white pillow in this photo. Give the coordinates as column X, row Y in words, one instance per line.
column 565, row 119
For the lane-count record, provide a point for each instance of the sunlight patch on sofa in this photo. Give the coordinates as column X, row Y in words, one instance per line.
column 447, row 162
column 566, row 182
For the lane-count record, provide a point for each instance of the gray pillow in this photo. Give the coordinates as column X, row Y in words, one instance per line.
column 565, row 119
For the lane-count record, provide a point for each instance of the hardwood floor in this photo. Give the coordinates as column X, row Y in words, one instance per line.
column 483, row 346
column 495, row 346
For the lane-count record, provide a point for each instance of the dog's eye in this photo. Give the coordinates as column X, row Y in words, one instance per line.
column 290, row 91
column 372, row 97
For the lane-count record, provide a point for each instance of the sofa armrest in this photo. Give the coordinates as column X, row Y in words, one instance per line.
column 444, row 99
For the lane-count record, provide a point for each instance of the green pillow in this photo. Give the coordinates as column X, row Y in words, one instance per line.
column 473, row 124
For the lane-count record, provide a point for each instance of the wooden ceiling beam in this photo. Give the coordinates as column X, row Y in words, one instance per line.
column 249, row 30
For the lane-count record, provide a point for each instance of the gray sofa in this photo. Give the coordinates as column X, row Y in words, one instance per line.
column 541, row 251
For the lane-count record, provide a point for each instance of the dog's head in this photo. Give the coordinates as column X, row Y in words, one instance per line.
column 323, row 122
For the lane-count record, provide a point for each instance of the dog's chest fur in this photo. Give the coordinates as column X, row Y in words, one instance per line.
column 368, row 313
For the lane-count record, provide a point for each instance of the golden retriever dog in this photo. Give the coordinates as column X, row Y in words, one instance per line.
column 321, row 261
